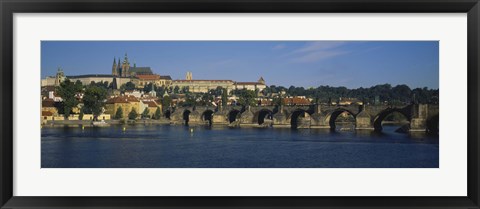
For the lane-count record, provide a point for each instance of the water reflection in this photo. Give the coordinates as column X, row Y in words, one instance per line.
column 146, row 146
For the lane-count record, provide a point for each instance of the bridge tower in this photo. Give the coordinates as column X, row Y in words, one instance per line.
column 419, row 117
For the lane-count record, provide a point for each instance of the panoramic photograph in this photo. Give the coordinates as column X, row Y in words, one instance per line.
column 239, row 104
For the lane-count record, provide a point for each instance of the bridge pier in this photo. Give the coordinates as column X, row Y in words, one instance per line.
column 363, row 121
column 220, row 118
column 418, row 124
column 318, row 120
column 419, row 119
column 246, row 118
column 280, row 119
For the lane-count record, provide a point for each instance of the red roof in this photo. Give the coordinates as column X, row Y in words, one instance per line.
column 266, row 102
column 122, row 99
column 48, row 103
column 249, row 83
column 47, row 113
column 48, row 88
column 296, row 101
column 148, row 77
column 193, row 81
column 150, row 103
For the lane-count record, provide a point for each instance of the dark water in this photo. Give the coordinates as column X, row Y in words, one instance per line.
column 222, row 147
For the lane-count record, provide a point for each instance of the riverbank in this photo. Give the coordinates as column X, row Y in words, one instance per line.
column 75, row 123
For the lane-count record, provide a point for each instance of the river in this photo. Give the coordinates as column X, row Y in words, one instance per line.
column 165, row 146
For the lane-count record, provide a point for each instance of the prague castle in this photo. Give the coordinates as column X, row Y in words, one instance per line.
column 122, row 72
column 125, row 70
column 202, row 86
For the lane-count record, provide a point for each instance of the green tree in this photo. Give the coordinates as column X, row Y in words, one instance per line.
column 190, row 100
column 266, row 91
column 160, row 91
column 148, row 87
column 119, row 113
column 185, row 89
column 176, row 90
column 224, row 97
column 247, row 98
column 166, row 101
column 94, row 100
column 67, row 90
column 219, row 91
column 127, row 86
column 133, row 114
column 278, row 101
column 206, row 99
column 78, row 85
column 145, row 113
column 157, row 114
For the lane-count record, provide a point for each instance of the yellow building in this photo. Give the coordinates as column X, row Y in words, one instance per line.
column 48, row 105
column 47, row 115
column 203, row 86
column 126, row 102
column 143, row 80
column 152, row 107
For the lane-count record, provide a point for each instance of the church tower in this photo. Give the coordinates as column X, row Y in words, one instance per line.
column 119, row 68
column 188, row 77
column 125, row 66
column 60, row 77
column 261, row 80
column 114, row 67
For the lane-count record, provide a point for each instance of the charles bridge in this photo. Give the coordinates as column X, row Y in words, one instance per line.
column 422, row 117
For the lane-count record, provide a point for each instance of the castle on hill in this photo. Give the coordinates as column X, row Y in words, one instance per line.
column 125, row 70
column 122, row 72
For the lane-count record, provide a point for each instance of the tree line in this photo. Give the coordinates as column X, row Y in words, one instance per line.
column 400, row 94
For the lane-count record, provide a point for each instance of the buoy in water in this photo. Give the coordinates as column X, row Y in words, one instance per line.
column 124, row 129
column 191, row 130
column 83, row 127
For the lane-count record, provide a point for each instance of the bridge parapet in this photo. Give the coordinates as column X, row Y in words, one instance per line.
column 316, row 116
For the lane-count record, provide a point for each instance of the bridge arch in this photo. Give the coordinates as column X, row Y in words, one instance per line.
column 377, row 121
column 296, row 115
column 207, row 116
column 186, row 116
column 260, row 116
column 332, row 117
column 232, row 115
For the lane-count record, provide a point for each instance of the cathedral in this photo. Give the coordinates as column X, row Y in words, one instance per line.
column 124, row 69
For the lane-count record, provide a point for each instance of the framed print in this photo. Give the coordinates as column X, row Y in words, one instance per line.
column 266, row 104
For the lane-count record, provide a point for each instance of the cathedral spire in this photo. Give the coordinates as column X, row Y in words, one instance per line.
column 114, row 67
column 119, row 68
column 125, row 67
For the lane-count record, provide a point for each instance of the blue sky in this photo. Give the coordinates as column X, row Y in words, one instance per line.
column 351, row 64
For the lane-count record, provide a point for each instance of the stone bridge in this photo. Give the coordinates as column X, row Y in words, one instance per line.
column 422, row 117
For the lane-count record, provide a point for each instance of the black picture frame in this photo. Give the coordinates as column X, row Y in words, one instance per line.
column 9, row 7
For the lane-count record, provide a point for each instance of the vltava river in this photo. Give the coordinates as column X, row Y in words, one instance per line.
column 163, row 146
